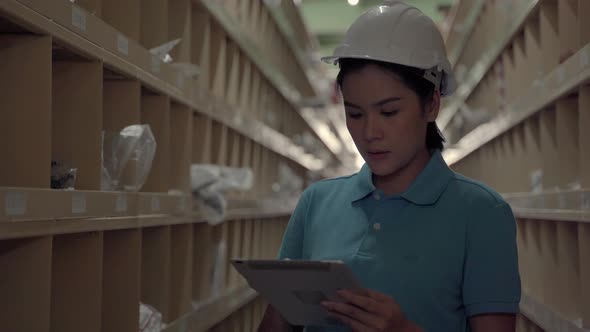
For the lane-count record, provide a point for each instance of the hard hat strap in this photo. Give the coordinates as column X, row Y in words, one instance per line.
column 435, row 76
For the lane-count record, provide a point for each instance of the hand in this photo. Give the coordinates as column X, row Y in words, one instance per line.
column 368, row 311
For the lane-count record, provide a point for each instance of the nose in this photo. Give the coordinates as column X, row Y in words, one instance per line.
column 372, row 128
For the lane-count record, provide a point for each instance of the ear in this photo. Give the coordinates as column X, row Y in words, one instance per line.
column 433, row 107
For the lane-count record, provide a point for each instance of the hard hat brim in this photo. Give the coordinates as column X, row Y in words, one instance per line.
column 449, row 85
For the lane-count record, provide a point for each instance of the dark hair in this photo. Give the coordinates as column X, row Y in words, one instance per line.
column 413, row 78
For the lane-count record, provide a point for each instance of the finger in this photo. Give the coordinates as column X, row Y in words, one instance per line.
column 379, row 297
column 354, row 312
column 364, row 302
column 355, row 325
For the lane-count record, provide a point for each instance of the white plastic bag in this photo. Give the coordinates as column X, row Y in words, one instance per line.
column 163, row 51
column 288, row 181
column 150, row 319
column 209, row 184
column 127, row 158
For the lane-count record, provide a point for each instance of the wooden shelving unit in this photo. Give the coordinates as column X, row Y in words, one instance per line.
column 535, row 150
column 84, row 259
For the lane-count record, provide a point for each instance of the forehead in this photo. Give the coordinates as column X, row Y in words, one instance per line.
column 373, row 82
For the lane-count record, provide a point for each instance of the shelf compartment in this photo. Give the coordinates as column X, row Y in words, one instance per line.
column 155, row 111
column 125, row 16
column 25, row 284
column 153, row 23
column 181, row 276
column 77, row 119
column 26, row 68
column 155, row 269
column 180, row 27
column 181, row 140
column 121, row 280
column 76, row 282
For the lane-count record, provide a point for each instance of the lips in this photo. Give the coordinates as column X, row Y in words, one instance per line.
column 377, row 155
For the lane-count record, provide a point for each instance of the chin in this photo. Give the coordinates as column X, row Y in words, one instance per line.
column 382, row 168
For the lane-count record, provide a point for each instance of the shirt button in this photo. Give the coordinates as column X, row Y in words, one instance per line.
column 376, row 196
column 376, row 226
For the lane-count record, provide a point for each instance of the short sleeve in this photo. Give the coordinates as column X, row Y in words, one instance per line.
column 491, row 281
column 292, row 244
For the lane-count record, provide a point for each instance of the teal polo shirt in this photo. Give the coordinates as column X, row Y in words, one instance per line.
column 444, row 250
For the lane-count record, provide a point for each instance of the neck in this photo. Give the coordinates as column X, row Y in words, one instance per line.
column 400, row 180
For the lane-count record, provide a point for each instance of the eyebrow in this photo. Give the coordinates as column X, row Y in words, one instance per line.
column 379, row 103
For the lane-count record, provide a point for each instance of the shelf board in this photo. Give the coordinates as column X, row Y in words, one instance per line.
column 564, row 79
column 238, row 210
column 546, row 318
column 271, row 72
column 209, row 313
column 573, row 205
column 98, row 40
column 481, row 68
column 30, row 204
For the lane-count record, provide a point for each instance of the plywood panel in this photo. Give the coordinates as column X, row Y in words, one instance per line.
column 25, row 62
column 25, row 284
column 77, row 120
column 125, row 16
column 155, row 111
column 181, row 140
column 121, row 280
column 155, row 269
column 181, row 270
column 76, row 282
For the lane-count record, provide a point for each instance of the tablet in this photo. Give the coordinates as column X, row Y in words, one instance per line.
column 296, row 288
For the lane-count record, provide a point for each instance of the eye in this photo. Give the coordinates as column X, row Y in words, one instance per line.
column 389, row 113
column 354, row 115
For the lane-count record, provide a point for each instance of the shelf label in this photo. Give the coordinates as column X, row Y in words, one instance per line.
column 121, row 204
column 155, row 203
column 15, row 204
column 78, row 203
column 78, row 18
column 123, row 44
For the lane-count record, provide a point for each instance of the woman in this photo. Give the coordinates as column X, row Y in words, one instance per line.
column 435, row 250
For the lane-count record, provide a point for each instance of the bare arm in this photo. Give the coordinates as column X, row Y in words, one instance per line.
column 274, row 322
column 493, row 323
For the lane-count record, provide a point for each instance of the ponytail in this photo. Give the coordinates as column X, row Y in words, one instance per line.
column 434, row 138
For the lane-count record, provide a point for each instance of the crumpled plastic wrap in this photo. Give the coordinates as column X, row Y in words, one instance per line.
column 288, row 183
column 163, row 51
column 127, row 158
column 209, row 184
column 150, row 319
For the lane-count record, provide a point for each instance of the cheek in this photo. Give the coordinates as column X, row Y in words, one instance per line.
column 354, row 129
column 405, row 130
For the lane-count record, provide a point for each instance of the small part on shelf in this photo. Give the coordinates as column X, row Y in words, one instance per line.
column 63, row 176
column 127, row 158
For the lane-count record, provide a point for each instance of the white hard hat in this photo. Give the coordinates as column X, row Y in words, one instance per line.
column 398, row 33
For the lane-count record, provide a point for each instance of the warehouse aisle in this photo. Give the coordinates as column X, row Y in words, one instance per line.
column 148, row 142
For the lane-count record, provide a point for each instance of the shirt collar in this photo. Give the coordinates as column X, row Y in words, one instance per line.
column 424, row 190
